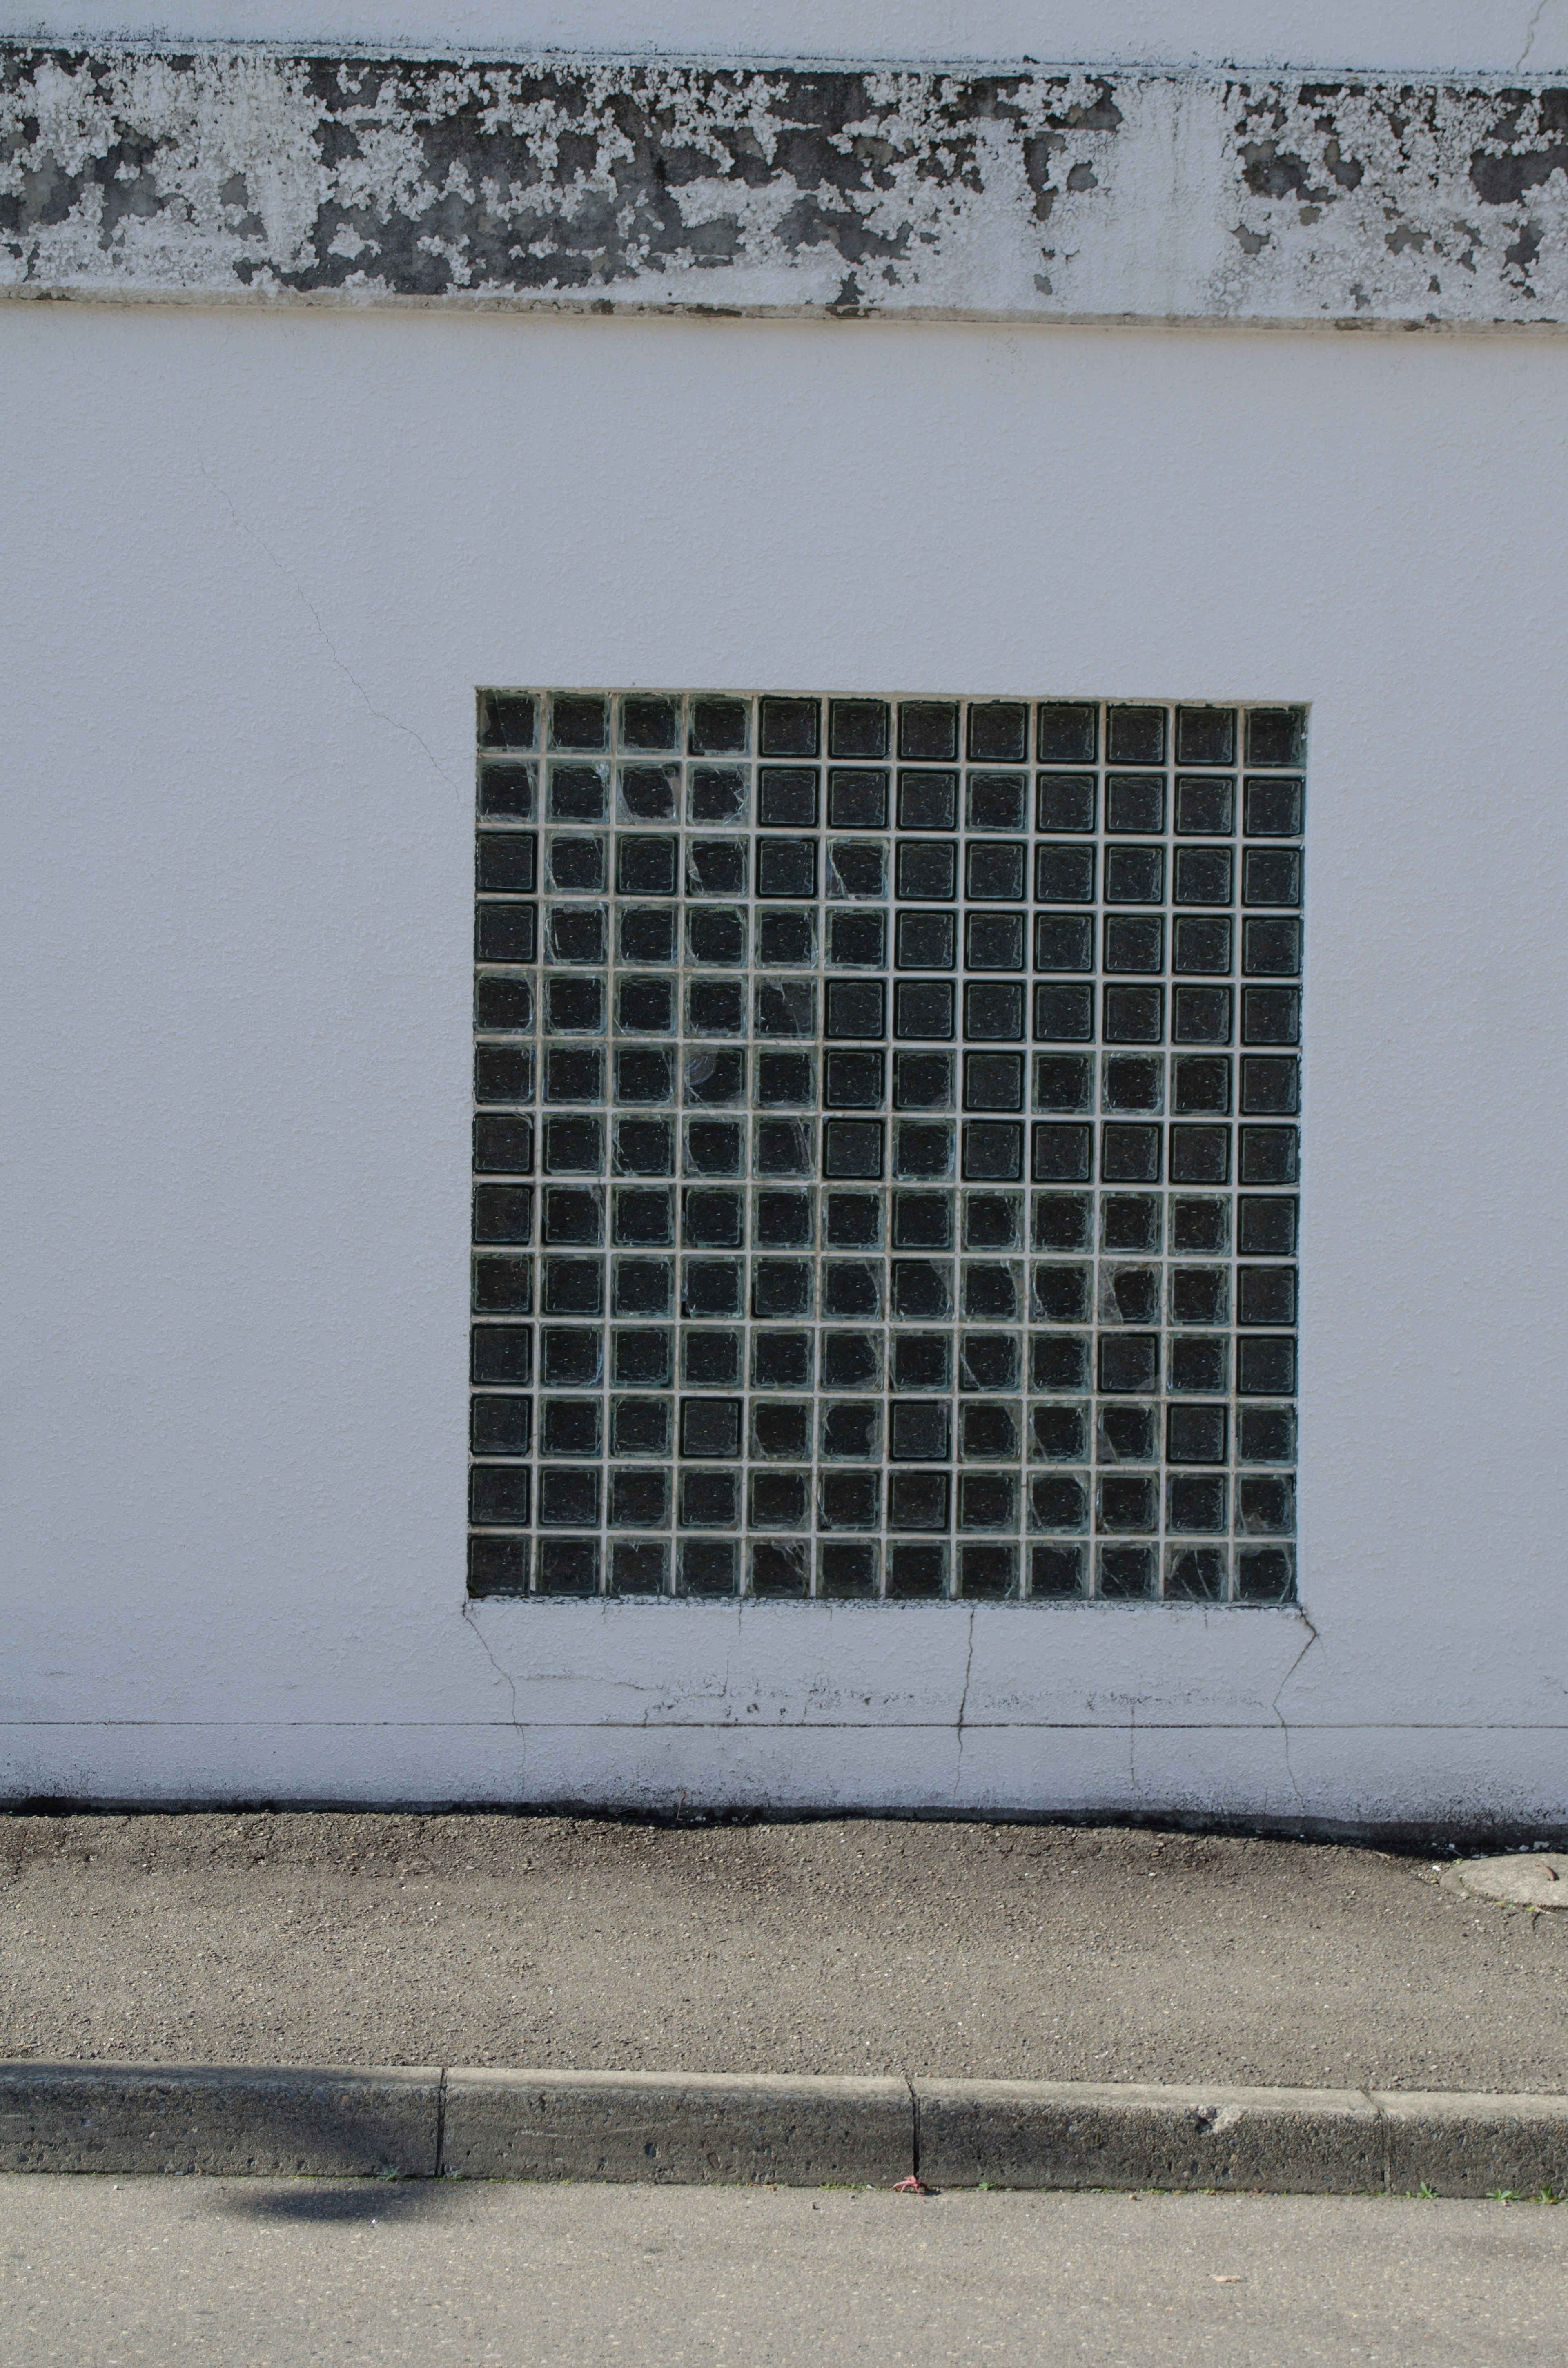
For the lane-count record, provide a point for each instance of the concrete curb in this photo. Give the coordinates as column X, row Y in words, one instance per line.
column 1039, row 2134
column 781, row 2130
column 229, row 2119
column 704, row 2129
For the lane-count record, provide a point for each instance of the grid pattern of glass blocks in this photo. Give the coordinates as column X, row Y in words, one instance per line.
column 886, row 1147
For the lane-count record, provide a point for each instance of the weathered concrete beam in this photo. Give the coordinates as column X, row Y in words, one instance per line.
column 229, row 175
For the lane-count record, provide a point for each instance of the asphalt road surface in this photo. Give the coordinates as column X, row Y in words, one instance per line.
column 271, row 2274
column 851, row 1945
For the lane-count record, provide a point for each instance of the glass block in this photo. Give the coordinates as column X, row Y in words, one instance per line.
column 996, row 801
column 499, row 1566
column 922, row 1080
column 857, row 799
column 499, row 1495
column 1196, row 1573
column 577, row 793
column 1272, row 809
column 858, row 727
column 786, row 941
column 999, row 733
column 1135, row 735
column 717, row 866
column 578, row 719
column 646, row 936
column 503, row 1144
column 509, row 719
column 790, row 727
column 641, row 1426
column 987, row 1572
column 1266, row 1434
column 925, row 941
column 1067, row 733
column 503, row 1073
column 1204, row 807
column 1127, row 1572
column 788, row 797
column 1067, row 801
column 927, row 870
column 1057, row 1572
column 506, row 862
column 508, row 792
column 641, row 1359
column 718, row 726
column 649, row 722
column 858, row 870
column 566, row 1566
column 1058, row 1432
column 1064, row 874
column 928, row 731
column 707, row 1567
column 1276, row 735
column 1265, row 1574
column 639, row 1566
column 927, row 801
column 846, row 1568
column 500, row 1426
column 990, row 1360
column 916, row 1572
column 1135, row 802
column 1206, row 735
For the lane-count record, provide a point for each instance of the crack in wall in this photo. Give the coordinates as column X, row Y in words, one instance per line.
column 1312, row 1638
column 1532, row 29
column 964, row 1700
column 472, row 1623
column 380, row 714
column 588, row 1724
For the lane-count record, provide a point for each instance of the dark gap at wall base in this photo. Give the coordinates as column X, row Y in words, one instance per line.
column 1405, row 1837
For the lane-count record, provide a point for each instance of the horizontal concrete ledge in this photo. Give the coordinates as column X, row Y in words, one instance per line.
column 781, row 2130
column 569, row 307
column 1065, row 194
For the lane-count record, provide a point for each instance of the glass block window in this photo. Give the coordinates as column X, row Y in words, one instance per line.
column 886, row 1147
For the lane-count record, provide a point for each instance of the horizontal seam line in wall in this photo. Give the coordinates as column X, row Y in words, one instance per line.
column 762, row 1725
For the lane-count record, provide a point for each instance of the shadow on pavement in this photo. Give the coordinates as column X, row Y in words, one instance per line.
column 347, row 2200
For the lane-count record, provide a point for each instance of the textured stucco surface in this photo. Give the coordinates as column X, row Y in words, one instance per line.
column 257, row 561
column 1018, row 194
column 1404, row 37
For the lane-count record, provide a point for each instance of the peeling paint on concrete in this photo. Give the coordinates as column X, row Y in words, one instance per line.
column 225, row 175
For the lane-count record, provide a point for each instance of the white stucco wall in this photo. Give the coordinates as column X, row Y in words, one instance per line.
column 1370, row 36
column 255, row 563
